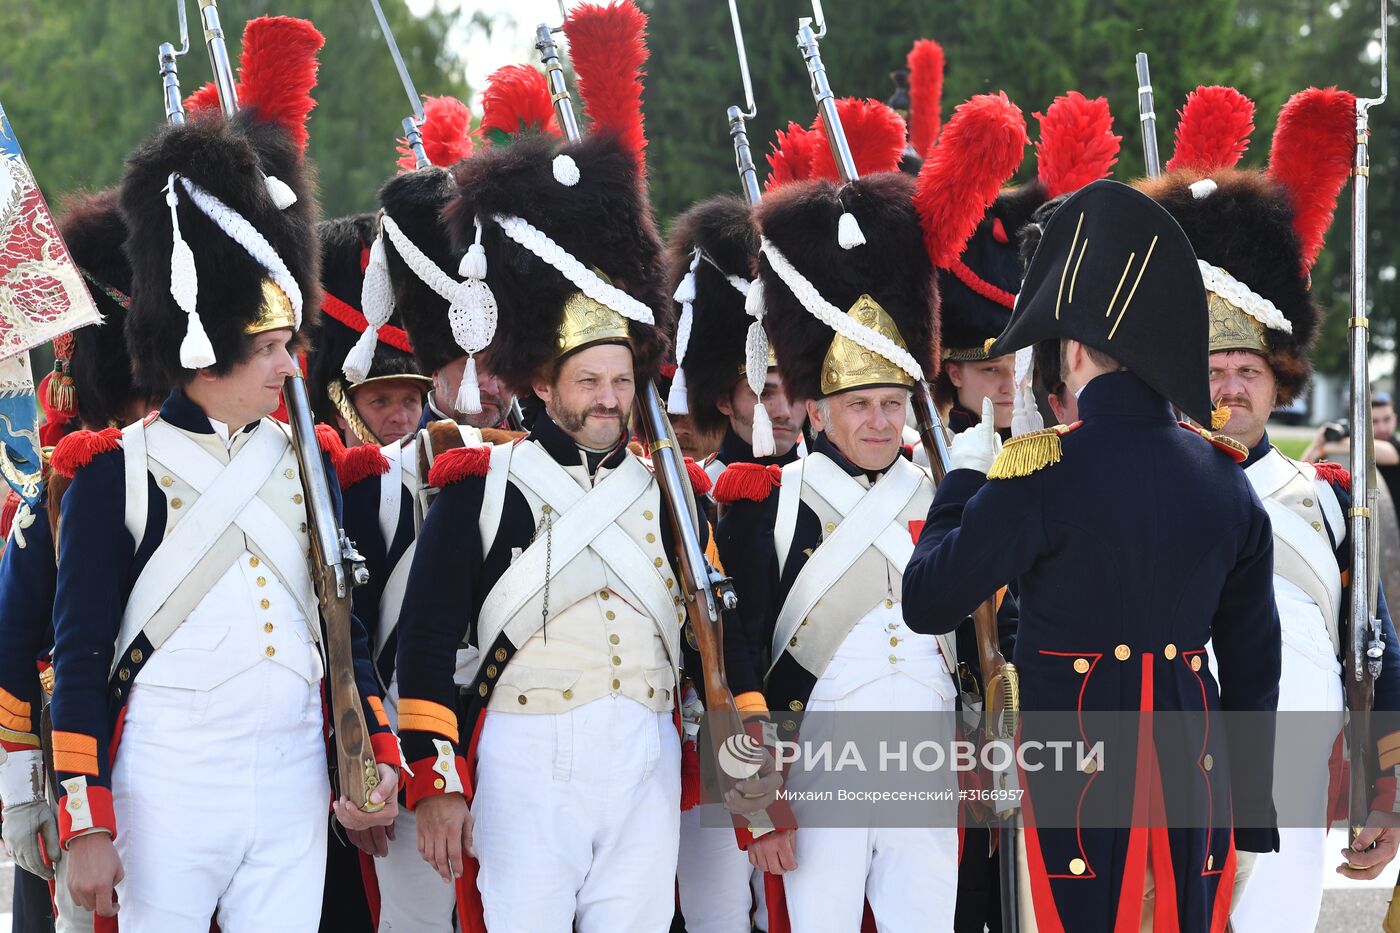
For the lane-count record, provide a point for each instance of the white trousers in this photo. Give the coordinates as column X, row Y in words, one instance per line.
column 221, row 798
column 1284, row 892
column 69, row 917
column 909, row 874
column 577, row 819
column 712, row 874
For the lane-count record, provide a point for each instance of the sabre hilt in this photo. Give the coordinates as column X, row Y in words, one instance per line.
column 1147, row 117
column 413, row 135
column 558, row 86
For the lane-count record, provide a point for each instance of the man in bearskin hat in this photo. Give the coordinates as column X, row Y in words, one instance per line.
column 154, row 613
column 1099, row 559
column 93, row 385
column 1266, row 228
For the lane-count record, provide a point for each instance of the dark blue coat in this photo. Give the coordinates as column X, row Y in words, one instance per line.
column 27, row 576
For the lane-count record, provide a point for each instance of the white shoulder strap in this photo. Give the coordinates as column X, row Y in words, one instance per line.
column 391, row 493
column 137, row 490
column 789, row 497
column 494, row 497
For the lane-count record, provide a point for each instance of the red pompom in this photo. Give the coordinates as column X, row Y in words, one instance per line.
column 516, row 100
column 446, row 130
column 328, row 439
column 925, row 64
column 607, row 46
column 1077, row 145
column 1314, row 144
column 752, row 481
column 699, row 479
column 875, row 133
column 456, row 464
column 978, row 151
column 790, row 155
column 1213, row 130
column 77, row 449
column 1334, row 474
column 8, row 511
column 358, row 463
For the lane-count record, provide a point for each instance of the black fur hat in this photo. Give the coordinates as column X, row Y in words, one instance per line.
column 801, row 220
column 603, row 220
column 1245, row 225
column 92, row 228
column 722, row 228
column 415, row 201
column 345, row 245
column 230, row 161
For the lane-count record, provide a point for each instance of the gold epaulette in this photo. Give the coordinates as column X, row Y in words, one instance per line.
column 1226, row 445
column 1026, row 453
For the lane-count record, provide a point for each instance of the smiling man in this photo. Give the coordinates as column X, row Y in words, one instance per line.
column 186, row 621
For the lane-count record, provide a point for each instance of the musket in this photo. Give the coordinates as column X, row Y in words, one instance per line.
column 1362, row 663
column 336, row 567
column 738, row 119
column 1001, row 683
column 1147, row 117
column 705, row 590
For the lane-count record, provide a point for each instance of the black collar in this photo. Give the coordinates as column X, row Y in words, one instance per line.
column 1257, row 452
column 734, row 449
column 183, row 412
column 565, row 450
column 1122, row 395
column 960, row 418
column 823, row 445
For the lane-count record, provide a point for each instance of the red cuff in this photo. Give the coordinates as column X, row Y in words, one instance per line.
column 427, row 781
column 386, row 749
column 1384, row 800
column 90, row 808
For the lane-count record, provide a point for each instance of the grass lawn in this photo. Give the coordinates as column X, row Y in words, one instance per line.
column 1292, row 446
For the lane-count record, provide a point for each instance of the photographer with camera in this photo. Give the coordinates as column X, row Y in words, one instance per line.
column 1334, row 440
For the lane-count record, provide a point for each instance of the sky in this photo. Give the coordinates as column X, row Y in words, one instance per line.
column 512, row 40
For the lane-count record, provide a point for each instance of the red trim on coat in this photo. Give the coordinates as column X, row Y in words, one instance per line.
column 1129, row 914
column 371, row 880
column 470, row 915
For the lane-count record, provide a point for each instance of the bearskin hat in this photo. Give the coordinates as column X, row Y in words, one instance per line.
column 226, row 233
column 100, row 369
column 345, row 247
column 713, row 246
column 586, row 197
column 1261, row 229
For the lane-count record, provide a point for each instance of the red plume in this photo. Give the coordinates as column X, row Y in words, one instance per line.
column 925, row 63
column 790, row 156
column 276, row 73
column 608, row 47
column 516, row 100
column 1314, row 143
column 1213, row 129
column 446, row 129
column 979, row 149
column 1077, row 145
column 874, row 132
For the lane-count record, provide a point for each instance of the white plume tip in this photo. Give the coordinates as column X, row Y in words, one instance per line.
column 566, row 170
column 282, row 194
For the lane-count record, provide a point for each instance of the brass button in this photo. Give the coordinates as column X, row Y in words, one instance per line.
column 830, row 527
column 670, row 583
column 302, row 528
column 613, row 639
column 289, row 473
column 651, row 538
column 803, row 622
column 521, row 699
column 893, row 641
column 610, row 615
column 1210, row 862
column 1090, row 765
column 492, row 670
column 795, row 706
column 604, row 595
column 680, row 615
column 262, row 581
column 889, row 604
column 617, row 684
column 647, row 515
column 792, row 642
column 136, row 655
column 500, row 654
column 1208, row 762
column 893, row 659
column 1169, row 652
column 1317, row 526
column 267, row 627
column 1195, row 662
column 1077, row 866
column 296, row 499
column 253, row 562
column 117, row 693
column 266, row 604
column 1307, row 503
column 271, row 651
column 568, row 694
column 616, row 660
column 658, row 562
column 1081, row 665
column 176, row 503
column 1122, row 652
column 439, row 783
column 481, row 690
column 124, row 674
column 789, row 725
column 676, row 600
column 75, row 803
column 167, row 481
column 651, row 692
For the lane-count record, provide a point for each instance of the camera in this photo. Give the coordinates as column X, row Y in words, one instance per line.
column 1334, row 431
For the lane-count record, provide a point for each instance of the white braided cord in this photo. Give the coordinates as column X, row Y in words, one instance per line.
column 806, row 293
column 583, row 278
column 241, row 231
column 428, row 272
column 1243, row 297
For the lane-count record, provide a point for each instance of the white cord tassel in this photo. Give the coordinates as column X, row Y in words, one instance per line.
column 473, row 264
column 565, row 170
column 282, row 194
column 848, row 232
column 756, row 370
column 678, row 400
column 196, row 352
column 469, row 391
column 377, row 304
